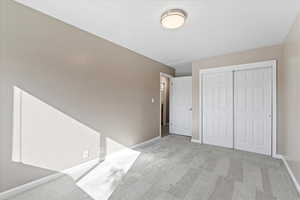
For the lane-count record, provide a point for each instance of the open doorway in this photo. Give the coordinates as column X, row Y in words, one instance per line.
column 164, row 104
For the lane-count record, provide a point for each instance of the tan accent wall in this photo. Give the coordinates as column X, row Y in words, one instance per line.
column 1, row 115
column 250, row 56
column 290, row 115
column 99, row 84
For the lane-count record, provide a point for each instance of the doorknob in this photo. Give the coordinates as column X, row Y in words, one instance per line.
column 190, row 109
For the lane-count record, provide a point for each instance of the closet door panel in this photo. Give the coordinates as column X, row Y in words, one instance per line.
column 253, row 110
column 217, row 97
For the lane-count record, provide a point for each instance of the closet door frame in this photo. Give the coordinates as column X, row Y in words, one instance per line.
column 232, row 68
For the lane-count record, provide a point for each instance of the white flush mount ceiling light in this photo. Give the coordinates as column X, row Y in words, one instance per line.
column 174, row 18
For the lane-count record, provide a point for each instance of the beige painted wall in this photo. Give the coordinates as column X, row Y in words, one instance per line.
column 1, row 115
column 255, row 55
column 95, row 82
column 290, row 115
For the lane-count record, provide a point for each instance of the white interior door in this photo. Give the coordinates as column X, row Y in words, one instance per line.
column 181, row 106
column 217, row 109
column 253, row 110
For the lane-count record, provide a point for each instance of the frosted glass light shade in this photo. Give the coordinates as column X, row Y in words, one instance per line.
column 173, row 18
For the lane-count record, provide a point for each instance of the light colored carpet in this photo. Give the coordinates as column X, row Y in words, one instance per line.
column 173, row 168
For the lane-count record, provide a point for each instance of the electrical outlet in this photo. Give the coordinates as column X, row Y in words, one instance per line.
column 85, row 154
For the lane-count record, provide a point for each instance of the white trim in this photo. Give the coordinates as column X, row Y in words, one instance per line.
column 17, row 118
column 289, row 171
column 166, row 75
column 274, row 107
column 28, row 186
column 73, row 170
column 270, row 63
column 146, row 142
column 278, row 156
column 200, row 108
column 195, row 141
column 81, row 166
column 239, row 67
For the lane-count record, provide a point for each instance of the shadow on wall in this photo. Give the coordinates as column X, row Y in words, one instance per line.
column 46, row 138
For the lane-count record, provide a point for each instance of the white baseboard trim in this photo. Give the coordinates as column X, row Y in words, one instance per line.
column 27, row 186
column 278, row 156
column 289, row 171
column 80, row 167
column 196, row 141
column 146, row 142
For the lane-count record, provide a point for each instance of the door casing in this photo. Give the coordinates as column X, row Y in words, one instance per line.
column 170, row 99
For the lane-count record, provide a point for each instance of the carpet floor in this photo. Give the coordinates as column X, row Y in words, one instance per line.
column 173, row 168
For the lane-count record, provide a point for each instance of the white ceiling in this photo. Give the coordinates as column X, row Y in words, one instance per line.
column 213, row 27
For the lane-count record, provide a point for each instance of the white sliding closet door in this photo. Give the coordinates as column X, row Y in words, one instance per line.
column 181, row 106
column 253, row 110
column 217, row 108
